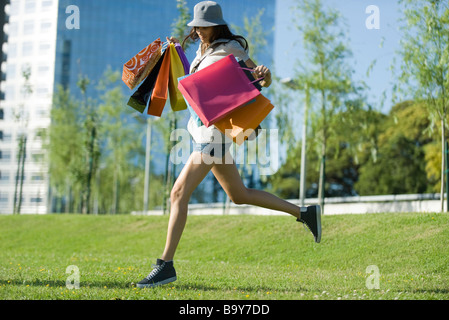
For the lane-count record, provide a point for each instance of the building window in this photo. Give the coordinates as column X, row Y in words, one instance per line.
column 28, row 27
column 6, row 137
column 4, row 177
column 37, row 177
column 43, row 70
column 13, row 29
column 37, row 157
column 12, row 50
column 5, row 156
column 44, row 48
column 30, row 6
column 45, row 26
column 10, row 92
column 46, row 5
column 42, row 112
column 36, row 200
column 14, row 8
column 3, row 198
column 10, row 71
column 27, row 49
column 42, row 91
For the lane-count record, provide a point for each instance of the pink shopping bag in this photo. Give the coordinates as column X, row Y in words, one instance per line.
column 217, row 90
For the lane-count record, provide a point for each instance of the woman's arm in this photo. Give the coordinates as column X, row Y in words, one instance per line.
column 260, row 71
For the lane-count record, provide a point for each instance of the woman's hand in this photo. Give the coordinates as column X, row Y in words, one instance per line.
column 172, row 40
column 259, row 72
column 263, row 72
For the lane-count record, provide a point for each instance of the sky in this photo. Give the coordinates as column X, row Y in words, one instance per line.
column 367, row 45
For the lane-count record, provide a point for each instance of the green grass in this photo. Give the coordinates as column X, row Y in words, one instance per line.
column 226, row 257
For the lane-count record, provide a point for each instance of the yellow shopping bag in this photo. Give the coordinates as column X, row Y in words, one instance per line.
column 177, row 101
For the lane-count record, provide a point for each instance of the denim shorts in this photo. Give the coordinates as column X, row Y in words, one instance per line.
column 218, row 150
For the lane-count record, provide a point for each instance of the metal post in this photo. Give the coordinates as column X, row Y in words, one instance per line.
column 323, row 188
column 147, row 167
column 302, row 182
column 447, row 174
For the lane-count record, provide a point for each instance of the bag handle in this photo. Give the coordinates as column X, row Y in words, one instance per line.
column 252, row 70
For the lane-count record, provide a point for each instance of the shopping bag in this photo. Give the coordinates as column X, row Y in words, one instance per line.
column 139, row 66
column 176, row 71
column 193, row 114
column 189, row 107
column 217, row 90
column 141, row 97
column 159, row 94
column 239, row 124
column 182, row 56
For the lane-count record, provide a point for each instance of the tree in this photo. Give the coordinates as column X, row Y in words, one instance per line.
column 91, row 148
column 400, row 162
column 178, row 31
column 63, row 142
column 255, row 35
column 425, row 63
column 120, row 144
column 22, row 119
column 352, row 145
column 324, row 72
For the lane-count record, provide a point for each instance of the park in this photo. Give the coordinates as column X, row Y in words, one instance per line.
column 87, row 178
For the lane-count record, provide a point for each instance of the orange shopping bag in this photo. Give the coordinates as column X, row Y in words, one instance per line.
column 139, row 66
column 160, row 92
column 236, row 124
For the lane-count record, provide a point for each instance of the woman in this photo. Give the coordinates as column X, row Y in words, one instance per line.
column 216, row 42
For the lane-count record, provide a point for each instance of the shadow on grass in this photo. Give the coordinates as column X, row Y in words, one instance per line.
column 435, row 290
column 256, row 288
column 178, row 285
column 183, row 286
column 62, row 283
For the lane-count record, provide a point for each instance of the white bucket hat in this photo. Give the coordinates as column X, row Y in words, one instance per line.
column 207, row 14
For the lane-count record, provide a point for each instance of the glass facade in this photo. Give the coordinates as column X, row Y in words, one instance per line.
column 111, row 32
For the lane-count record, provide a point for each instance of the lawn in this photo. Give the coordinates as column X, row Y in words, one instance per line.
column 227, row 257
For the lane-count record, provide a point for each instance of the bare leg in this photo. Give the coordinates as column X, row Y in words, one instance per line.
column 230, row 180
column 190, row 177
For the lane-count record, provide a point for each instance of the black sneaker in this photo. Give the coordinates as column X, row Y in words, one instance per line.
column 311, row 217
column 163, row 273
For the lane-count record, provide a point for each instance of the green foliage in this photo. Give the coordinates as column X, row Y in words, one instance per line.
column 424, row 69
column 285, row 182
column 254, row 33
column 179, row 26
column 324, row 73
column 95, row 148
column 369, row 154
column 400, row 163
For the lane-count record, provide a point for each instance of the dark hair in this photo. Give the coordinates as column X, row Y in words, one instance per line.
column 219, row 32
